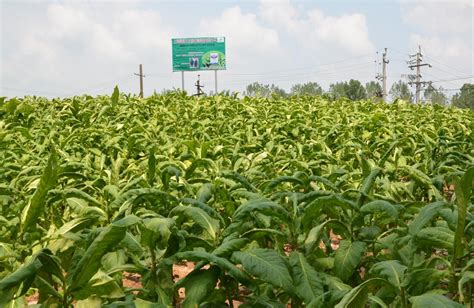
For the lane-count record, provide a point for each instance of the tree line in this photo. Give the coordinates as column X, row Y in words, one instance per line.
column 355, row 90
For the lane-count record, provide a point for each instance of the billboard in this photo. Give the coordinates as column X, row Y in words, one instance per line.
column 199, row 53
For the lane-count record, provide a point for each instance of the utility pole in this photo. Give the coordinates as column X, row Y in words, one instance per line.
column 417, row 62
column 140, row 74
column 383, row 77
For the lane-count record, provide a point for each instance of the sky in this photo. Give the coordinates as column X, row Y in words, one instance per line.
column 66, row 48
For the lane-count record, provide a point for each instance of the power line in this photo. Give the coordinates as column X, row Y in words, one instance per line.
column 105, row 83
column 462, row 78
column 445, row 65
column 293, row 77
column 317, row 72
column 306, row 68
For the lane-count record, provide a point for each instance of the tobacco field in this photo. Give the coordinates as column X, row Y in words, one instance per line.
column 295, row 202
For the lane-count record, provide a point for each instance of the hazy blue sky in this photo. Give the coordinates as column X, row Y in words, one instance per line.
column 63, row 48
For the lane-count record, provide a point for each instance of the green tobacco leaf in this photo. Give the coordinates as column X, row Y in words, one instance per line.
column 314, row 235
column 425, row 215
column 229, row 246
column 135, row 193
column 433, row 300
column 357, row 297
column 463, row 189
column 100, row 285
column 223, row 263
column 439, row 237
column 419, row 176
column 393, row 271
column 45, row 288
column 421, row 280
column 283, row 179
column 115, row 96
column 24, row 275
column 103, row 243
column 151, row 171
column 263, row 206
column 308, row 283
column 380, row 206
column 466, row 277
column 37, row 203
column 199, row 286
column 377, row 300
column 367, row 186
column 210, row 225
column 205, row 192
column 347, row 257
column 156, row 232
column 267, row 265
column 313, row 209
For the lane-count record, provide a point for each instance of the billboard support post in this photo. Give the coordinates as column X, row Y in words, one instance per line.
column 215, row 81
column 182, row 80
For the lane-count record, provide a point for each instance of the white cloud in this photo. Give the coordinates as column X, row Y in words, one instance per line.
column 242, row 31
column 348, row 31
column 315, row 28
column 69, row 46
column 440, row 17
column 439, row 51
column 282, row 13
column 444, row 29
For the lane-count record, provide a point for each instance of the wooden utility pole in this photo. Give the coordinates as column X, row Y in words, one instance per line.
column 417, row 62
column 140, row 74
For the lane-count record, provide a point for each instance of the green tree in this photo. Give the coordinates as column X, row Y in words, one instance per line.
column 309, row 88
column 400, row 90
column 465, row 98
column 436, row 96
column 373, row 89
column 353, row 90
column 264, row 90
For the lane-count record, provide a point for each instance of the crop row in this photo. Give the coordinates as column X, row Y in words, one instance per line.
column 299, row 201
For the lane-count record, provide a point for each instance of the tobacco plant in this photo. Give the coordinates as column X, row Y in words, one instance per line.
column 300, row 201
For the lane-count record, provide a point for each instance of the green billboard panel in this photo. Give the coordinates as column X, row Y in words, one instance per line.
column 199, row 53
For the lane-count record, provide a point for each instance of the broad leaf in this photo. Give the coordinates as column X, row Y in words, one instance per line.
column 267, row 265
column 433, row 300
column 380, row 206
column 199, row 286
column 425, row 215
column 264, row 206
column 37, row 203
column 347, row 257
column 391, row 270
column 357, row 297
column 103, row 243
column 308, row 282
column 439, row 237
column 209, row 225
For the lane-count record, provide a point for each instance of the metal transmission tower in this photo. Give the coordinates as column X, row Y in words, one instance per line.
column 383, row 77
column 416, row 61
